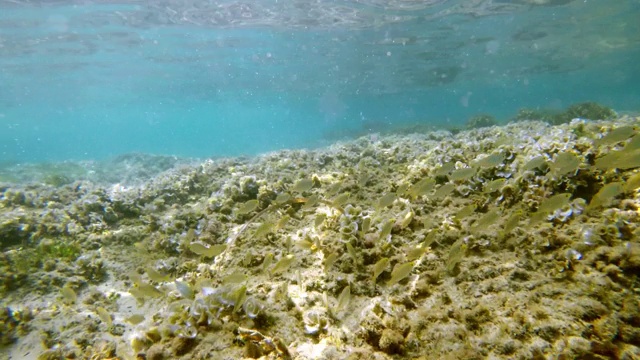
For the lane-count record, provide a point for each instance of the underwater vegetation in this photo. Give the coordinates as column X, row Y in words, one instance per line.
column 480, row 121
column 515, row 241
column 586, row 110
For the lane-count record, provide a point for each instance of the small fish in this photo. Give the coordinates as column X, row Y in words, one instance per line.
column 512, row 222
column 399, row 272
column 330, row 260
column 246, row 260
column 606, row 194
column 402, row 189
column 155, row 275
column 456, row 253
column 366, row 225
column 430, row 238
column 633, row 144
column 445, row 169
column 239, row 298
column 234, row 278
column 311, row 202
column 405, row 219
column 344, row 299
column 283, row 198
column 135, row 277
column 333, row 189
column 352, row 252
column 319, row 219
column 104, row 315
column 263, row 230
column 185, row 290
column 283, row 264
column 266, row 263
column 68, row 294
column 379, row 267
column 565, row 163
column 623, row 159
column 305, row 244
column 494, row 185
column 444, row 190
column 386, row 200
column 385, row 230
column 490, row 161
column 363, row 179
column 632, row 183
column 553, row 203
column 416, row 252
column 422, row 187
column 341, row 199
column 465, row 211
column 535, row 163
column 486, row 220
column 143, row 290
column 548, row 206
column 302, row 185
column 616, row 135
column 202, row 249
column 190, row 235
column 248, row 207
column 284, row 220
column 135, row 319
column 462, row 174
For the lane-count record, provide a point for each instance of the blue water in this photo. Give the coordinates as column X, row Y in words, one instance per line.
column 92, row 80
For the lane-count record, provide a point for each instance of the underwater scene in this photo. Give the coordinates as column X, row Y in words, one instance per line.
column 327, row 179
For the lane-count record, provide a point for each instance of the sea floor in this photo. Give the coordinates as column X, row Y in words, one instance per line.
column 511, row 242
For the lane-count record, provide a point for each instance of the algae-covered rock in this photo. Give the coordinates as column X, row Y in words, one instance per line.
column 586, row 110
column 526, row 114
column 480, row 121
column 13, row 323
column 391, row 342
column 474, row 245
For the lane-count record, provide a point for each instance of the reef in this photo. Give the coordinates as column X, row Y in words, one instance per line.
column 518, row 242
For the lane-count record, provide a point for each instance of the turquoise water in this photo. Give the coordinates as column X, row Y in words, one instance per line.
column 82, row 80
